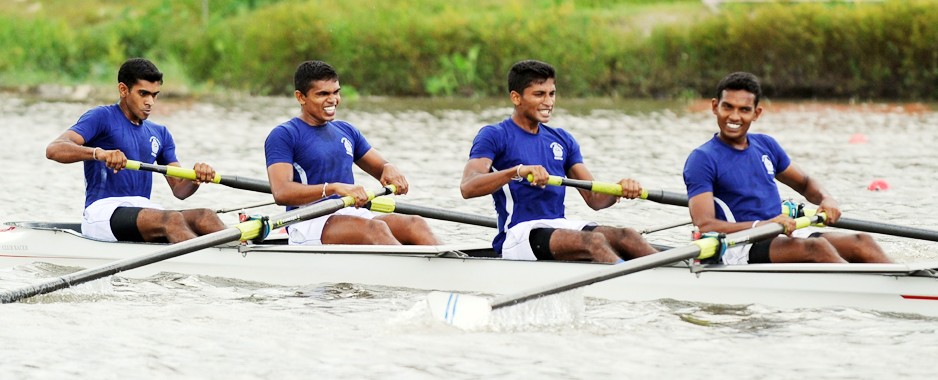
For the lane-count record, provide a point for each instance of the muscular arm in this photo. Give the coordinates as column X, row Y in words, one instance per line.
column 811, row 189
column 477, row 180
column 382, row 170
column 595, row 201
column 289, row 193
column 704, row 217
column 69, row 148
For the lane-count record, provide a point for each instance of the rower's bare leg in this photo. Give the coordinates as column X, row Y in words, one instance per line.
column 784, row 249
column 857, row 248
column 573, row 245
column 156, row 224
column 628, row 243
column 203, row 221
column 410, row 229
column 347, row 229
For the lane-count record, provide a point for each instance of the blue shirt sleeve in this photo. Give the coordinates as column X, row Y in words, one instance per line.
column 699, row 172
column 485, row 144
column 91, row 123
column 279, row 146
column 574, row 156
column 167, row 152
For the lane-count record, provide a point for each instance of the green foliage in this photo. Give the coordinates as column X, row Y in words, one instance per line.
column 628, row 48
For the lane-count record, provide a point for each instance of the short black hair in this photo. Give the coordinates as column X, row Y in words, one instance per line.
column 135, row 69
column 311, row 71
column 740, row 80
column 525, row 73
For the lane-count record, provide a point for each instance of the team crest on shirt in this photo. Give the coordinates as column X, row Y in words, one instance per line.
column 348, row 146
column 769, row 168
column 558, row 150
column 154, row 146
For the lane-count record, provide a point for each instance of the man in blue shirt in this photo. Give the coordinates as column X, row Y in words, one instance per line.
column 117, row 202
column 731, row 187
column 310, row 158
column 531, row 222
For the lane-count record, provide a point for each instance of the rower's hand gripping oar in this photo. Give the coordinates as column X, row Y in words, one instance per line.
column 178, row 172
column 247, row 230
column 264, row 187
column 678, row 199
column 467, row 311
column 873, row 227
column 660, row 196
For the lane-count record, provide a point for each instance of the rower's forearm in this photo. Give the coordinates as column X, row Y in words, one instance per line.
column 67, row 152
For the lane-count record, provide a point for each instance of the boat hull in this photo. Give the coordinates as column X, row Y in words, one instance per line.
column 899, row 288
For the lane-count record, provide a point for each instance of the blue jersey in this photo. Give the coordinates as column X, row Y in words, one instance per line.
column 742, row 181
column 318, row 154
column 108, row 128
column 507, row 145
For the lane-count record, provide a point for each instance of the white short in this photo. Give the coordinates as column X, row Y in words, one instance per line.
column 96, row 221
column 740, row 255
column 517, row 245
column 309, row 232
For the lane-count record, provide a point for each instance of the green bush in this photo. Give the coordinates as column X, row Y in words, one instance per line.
column 444, row 48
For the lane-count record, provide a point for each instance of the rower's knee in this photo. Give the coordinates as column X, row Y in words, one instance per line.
column 821, row 251
column 377, row 232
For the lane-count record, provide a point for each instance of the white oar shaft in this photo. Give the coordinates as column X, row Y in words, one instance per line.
column 640, row 264
column 242, row 231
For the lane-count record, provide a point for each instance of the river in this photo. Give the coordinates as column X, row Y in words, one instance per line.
column 199, row 327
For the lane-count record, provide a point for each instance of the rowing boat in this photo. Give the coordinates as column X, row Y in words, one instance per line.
column 897, row 288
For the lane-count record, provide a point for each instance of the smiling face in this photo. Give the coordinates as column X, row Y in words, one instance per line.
column 535, row 104
column 137, row 101
column 735, row 112
column 320, row 102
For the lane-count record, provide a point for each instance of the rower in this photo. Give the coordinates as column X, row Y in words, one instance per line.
column 310, row 157
column 117, row 201
column 731, row 187
column 531, row 222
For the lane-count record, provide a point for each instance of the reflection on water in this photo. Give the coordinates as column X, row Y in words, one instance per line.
column 202, row 327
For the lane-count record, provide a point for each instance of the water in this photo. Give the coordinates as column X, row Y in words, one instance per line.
column 199, row 327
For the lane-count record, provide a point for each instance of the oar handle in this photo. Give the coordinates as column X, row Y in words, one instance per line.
column 190, row 174
column 876, row 227
column 389, row 205
column 659, row 196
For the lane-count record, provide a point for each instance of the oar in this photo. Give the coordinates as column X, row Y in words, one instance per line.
column 877, row 227
column 388, row 204
column 243, row 231
column 660, row 196
column 255, row 205
column 467, row 311
column 175, row 171
column 264, row 187
column 678, row 199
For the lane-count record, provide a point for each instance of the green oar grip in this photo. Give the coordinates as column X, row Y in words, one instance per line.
column 383, row 204
column 607, row 188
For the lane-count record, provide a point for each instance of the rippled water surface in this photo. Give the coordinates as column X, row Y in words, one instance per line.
column 177, row 326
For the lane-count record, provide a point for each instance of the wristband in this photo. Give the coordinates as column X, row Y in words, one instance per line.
column 324, row 189
column 94, row 153
column 754, row 223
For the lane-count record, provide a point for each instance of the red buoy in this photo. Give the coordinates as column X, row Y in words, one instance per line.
column 878, row 185
column 858, row 138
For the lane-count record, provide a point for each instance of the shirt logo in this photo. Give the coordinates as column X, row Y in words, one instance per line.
column 348, row 146
column 769, row 168
column 558, row 150
column 154, row 146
